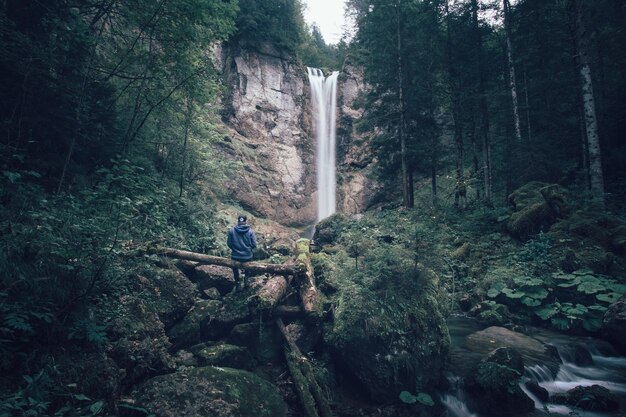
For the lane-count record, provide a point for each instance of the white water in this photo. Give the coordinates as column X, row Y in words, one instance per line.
column 324, row 98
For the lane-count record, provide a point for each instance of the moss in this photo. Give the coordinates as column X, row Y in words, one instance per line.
column 531, row 220
column 211, row 391
column 226, row 355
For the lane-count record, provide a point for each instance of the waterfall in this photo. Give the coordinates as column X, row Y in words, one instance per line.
column 324, row 99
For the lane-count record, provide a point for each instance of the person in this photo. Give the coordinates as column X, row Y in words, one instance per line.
column 241, row 241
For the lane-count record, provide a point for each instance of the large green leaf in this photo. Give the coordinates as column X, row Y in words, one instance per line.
column 530, row 302
column 537, row 293
column 592, row 324
column 513, row 293
column 583, row 272
column 425, row 399
column 546, row 312
column 573, row 311
column 408, row 398
column 591, row 287
column 561, row 323
column 527, row 281
column 608, row 297
column 493, row 292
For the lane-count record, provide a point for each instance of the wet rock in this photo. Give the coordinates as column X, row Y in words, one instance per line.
column 593, row 398
column 235, row 310
column 494, row 390
column 214, row 276
column 614, row 325
column 537, row 390
column 575, row 354
column 186, row 267
column 507, row 357
column 328, row 230
column 532, row 350
column 225, row 355
column 385, row 354
column 192, row 329
column 210, row 391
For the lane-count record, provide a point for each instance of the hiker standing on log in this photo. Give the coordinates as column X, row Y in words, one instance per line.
column 241, row 241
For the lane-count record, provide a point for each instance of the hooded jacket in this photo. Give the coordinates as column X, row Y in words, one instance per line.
column 241, row 241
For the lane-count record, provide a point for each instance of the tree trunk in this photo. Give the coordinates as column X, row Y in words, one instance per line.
column 188, row 118
column 484, row 109
column 306, row 280
column 310, row 385
column 274, row 290
column 591, row 123
column 216, row 260
column 512, row 81
column 459, row 193
column 406, row 190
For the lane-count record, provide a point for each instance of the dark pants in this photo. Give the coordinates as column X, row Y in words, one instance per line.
column 236, row 272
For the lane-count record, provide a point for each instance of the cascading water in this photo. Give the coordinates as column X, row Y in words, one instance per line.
column 324, row 98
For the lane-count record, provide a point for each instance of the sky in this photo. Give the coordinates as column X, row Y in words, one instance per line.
column 328, row 15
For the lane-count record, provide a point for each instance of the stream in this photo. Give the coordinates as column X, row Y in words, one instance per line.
column 600, row 368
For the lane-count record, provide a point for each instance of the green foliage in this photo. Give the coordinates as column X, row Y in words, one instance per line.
column 569, row 300
column 421, row 397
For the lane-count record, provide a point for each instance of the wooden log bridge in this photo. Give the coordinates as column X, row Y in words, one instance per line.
column 274, row 290
column 217, row 260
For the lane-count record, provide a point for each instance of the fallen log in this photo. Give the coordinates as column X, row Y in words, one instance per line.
column 217, row 260
column 302, row 371
column 306, row 279
column 271, row 293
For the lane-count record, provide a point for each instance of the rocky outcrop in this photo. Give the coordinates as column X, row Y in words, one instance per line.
column 271, row 135
column 402, row 347
column 210, row 391
column 592, row 398
column 356, row 190
column 614, row 325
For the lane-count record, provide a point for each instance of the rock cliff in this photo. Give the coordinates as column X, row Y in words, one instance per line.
column 271, row 137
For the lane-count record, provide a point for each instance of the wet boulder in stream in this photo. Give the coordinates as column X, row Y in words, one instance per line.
column 614, row 325
column 591, row 398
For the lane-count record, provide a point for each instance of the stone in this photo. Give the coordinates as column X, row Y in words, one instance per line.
column 384, row 354
column 507, row 356
column 210, row 391
column 590, row 398
column 137, row 341
column 536, row 207
column 614, row 325
column 212, row 294
column 190, row 330
column 494, row 391
column 264, row 340
column 576, row 354
column 225, row 355
column 328, row 230
column 538, row 391
column 532, row 350
column 214, row 276
column 235, row 310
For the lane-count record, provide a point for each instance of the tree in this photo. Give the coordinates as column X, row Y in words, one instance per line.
column 582, row 36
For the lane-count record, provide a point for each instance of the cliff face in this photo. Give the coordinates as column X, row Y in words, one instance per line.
column 271, row 136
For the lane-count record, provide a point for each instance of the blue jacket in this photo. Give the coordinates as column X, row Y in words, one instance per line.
column 241, row 241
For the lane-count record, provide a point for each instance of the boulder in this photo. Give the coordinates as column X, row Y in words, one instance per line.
column 168, row 292
column 328, row 230
column 402, row 346
column 234, row 310
column 225, row 355
column 532, row 350
column 614, row 325
column 192, row 329
column 137, row 340
column 576, row 354
column 214, row 276
column 591, row 398
column 210, row 391
column 263, row 340
column 536, row 207
column 537, row 390
column 494, row 387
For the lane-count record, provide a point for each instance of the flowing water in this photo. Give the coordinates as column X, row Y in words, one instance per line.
column 324, row 98
column 605, row 370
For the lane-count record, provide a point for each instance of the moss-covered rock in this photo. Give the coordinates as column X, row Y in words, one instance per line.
column 192, row 329
column 614, row 325
column 592, row 398
column 390, row 344
column 536, row 207
column 490, row 318
column 225, row 355
column 494, row 390
column 214, row 276
column 210, row 391
column 328, row 230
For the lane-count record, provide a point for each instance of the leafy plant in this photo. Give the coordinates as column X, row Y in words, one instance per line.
column 421, row 397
